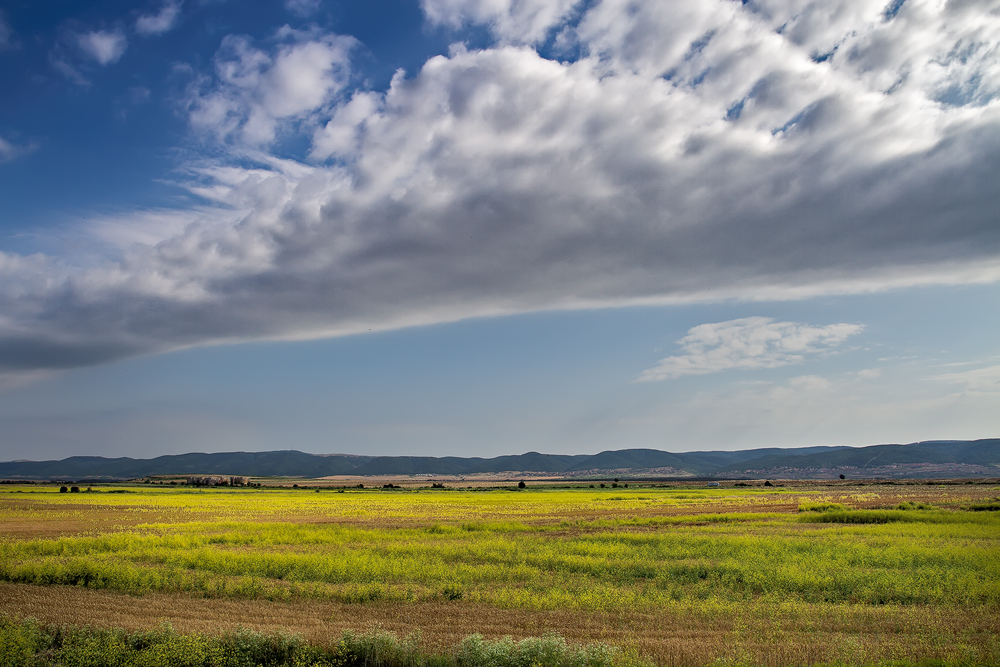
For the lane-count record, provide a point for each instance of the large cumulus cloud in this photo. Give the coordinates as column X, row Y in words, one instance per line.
column 685, row 151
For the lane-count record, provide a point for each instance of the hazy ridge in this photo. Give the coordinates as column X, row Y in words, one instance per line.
column 940, row 458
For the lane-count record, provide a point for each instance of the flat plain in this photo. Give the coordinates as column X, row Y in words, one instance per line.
column 849, row 573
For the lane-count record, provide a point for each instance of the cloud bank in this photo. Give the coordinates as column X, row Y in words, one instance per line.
column 681, row 151
column 749, row 343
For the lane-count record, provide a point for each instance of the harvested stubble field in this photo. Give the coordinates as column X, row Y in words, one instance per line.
column 683, row 576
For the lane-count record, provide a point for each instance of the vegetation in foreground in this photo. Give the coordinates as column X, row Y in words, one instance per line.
column 26, row 643
column 869, row 574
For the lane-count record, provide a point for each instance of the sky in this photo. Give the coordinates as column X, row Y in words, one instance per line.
column 485, row 227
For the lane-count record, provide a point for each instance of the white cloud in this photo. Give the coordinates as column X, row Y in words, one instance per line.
column 149, row 227
column 748, row 343
column 104, row 46
column 342, row 134
column 695, row 152
column 512, row 21
column 157, row 24
column 927, row 48
column 253, row 90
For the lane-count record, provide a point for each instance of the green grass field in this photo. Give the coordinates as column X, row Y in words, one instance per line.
column 786, row 555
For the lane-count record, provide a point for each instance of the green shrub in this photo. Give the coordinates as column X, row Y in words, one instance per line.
column 909, row 505
column 453, row 592
column 821, row 506
column 883, row 516
column 992, row 506
column 20, row 641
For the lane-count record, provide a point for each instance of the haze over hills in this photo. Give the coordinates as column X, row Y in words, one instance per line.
column 941, row 458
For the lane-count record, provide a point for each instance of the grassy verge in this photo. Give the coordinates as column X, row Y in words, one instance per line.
column 25, row 642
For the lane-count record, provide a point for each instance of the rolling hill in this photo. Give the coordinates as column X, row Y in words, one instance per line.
column 942, row 458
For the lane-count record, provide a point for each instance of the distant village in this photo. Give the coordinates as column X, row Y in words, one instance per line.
column 217, row 480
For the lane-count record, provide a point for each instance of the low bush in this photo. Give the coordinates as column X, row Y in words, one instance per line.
column 909, row 505
column 989, row 506
column 821, row 506
column 882, row 516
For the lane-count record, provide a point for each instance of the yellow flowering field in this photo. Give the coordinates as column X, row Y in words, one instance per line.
column 852, row 559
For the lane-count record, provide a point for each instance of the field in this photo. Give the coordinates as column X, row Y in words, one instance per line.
column 684, row 575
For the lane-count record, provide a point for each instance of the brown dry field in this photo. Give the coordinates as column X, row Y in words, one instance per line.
column 825, row 633
column 760, row 634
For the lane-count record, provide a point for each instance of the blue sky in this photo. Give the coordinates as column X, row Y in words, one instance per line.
column 473, row 227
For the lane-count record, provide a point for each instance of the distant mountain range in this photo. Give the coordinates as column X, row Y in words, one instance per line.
column 938, row 458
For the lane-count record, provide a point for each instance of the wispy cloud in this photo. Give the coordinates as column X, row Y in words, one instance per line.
column 6, row 33
column 984, row 379
column 104, row 46
column 302, row 7
column 157, row 24
column 62, row 65
column 749, row 343
column 134, row 97
column 13, row 380
column 149, row 227
column 12, row 150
